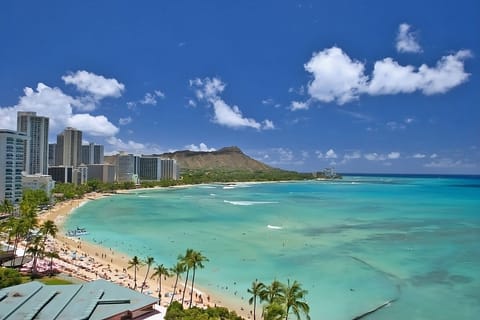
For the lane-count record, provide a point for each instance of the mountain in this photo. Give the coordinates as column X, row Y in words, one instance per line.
column 229, row 158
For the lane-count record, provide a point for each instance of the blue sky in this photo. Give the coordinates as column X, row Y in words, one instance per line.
column 363, row 86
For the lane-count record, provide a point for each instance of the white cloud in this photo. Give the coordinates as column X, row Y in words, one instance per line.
column 419, row 156
column 336, row 77
column 433, row 156
column 209, row 90
column 394, row 155
column 406, row 40
column 129, row 146
column 201, row 147
column 389, row 77
column 319, row 154
column 449, row 163
column 382, row 157
column 59, row 108
column 98, row 86
column 124, row 121
column 340, row 79
column 151, row 98
column 330, row 154
column 299, row 105
column 94, row 125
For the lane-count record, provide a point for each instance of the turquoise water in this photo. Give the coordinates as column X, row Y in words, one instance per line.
column 353, row 244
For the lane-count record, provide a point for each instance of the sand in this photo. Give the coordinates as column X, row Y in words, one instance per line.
column 89, row 261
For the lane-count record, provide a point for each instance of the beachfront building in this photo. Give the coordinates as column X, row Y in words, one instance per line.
column 12, row 147
column 169, row 169
column 69, row 148
column 36, row 146
column 126, row 166
column 92, row 154
column 95, row 300
column 150, row 168
column 38, row 182
column 102, row 172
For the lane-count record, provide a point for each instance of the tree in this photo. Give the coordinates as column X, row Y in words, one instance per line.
column 160, row 271
column 48, row 228
column 7, row 207
column 294, row 297
column 186, row 260
column 273, row 292
column 256, row 289
column 274, row 311
column 135, row 263
column 36, row 249
column 177, row 269
column 51, row 255
column 196, row 261
column 148, row 261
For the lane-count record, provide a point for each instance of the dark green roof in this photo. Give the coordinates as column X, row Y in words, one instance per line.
column 99, row 299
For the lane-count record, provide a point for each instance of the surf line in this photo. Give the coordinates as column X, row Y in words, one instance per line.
column 388, row 302
column 274, row 227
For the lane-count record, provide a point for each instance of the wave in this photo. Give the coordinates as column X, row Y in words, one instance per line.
column 142, row 196
column 274, row 227
column 248, row 203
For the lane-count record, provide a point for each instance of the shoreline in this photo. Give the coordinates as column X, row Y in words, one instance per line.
column 103, row 262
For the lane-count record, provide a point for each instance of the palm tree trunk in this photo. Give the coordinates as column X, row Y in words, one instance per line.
column 185, row 288
column 254, row 307
column 135, row 278
column 191, row 291
column 174, row 289
column 159, row 288
column 145, row 280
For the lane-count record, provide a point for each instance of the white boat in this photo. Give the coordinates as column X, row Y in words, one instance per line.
column 77, row 232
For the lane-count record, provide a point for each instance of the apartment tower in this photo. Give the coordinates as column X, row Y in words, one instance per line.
column 36, row 146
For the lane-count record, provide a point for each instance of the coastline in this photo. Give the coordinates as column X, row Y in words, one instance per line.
column 96, row 261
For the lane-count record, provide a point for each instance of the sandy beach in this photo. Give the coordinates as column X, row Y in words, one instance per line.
column 89, row 261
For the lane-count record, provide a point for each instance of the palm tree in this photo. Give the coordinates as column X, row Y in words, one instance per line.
column 48, row 228
column 255, row 290
column 135, row 263
column 196, row 261
column 51, row 255
column 273, row 292
column 187, row 261
column 160, row 271
column 177, row 269
column 294, row 297
column 37, row 250
column 7, row 206
column 148, row 261
column 274, row 311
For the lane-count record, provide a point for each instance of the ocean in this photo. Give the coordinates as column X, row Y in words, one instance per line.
column 354, row 243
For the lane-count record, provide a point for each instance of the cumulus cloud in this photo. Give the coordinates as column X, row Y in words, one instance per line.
column 201, row 147
column 330, row 154
column 95, row 85
column 391, row 78
column 59, row 108
column 406, row 40
column 151, row 98
column 209, row 90
column 336, row 77
column 130, row 146
column 93, row 125
column 340, row 79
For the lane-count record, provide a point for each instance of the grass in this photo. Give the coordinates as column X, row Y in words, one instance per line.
column 53, row 281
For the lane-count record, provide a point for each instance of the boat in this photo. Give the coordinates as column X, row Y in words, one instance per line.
column 77, row 232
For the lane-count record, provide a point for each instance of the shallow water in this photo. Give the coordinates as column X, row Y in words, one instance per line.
column 353, row 244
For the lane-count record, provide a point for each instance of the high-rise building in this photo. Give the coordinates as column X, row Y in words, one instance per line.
column 150, row 168
column 52, row 150
column 127, row 166
column 92, row 154
column 69, row 148
column 156, row 168
column 12, row 147
column 169, row 169
column 36, row 146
